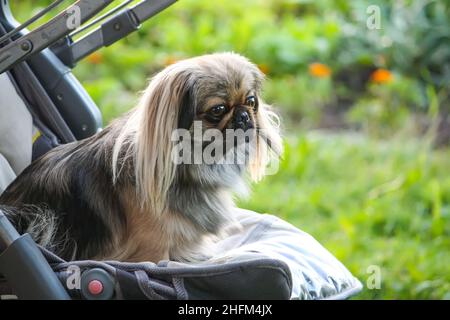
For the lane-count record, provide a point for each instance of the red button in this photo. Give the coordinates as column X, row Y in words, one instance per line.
column 95, row 287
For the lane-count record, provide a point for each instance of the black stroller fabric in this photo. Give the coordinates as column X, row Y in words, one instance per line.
column 257, row 278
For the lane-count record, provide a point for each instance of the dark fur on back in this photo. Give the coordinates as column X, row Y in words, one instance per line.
column 71, row 186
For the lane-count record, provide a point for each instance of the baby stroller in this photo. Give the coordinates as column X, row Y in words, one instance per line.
column 43, row 105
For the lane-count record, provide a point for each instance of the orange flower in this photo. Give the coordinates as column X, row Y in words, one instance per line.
column 381, row 76
column 264, row 68
column 95, row 58
column 169, row 60
column 319, row 70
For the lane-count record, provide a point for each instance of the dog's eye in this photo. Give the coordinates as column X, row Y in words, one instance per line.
column 252, row 102
column 218, row 110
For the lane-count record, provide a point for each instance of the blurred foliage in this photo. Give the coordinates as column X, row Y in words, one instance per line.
column 284, row 38
column 376, row 194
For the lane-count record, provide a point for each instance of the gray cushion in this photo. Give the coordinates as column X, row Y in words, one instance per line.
column 15, row 127
column 316, row 273
column 7, row 175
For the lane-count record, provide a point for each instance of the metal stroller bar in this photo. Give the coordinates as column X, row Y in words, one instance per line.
column 101, row 18
column 48, row 33
column 33, row 19
column 114, row 29
column 145, row 10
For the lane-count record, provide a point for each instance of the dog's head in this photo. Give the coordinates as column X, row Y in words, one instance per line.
column 223, row 92
column 217, row 92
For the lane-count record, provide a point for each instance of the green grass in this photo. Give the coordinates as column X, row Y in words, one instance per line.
column 369, row 203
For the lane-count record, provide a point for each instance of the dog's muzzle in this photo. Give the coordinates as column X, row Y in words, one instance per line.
column 241, row 119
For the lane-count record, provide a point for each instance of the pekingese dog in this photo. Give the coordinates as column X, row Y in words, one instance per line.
column 121, row 194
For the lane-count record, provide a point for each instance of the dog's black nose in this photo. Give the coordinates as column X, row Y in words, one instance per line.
column 242, row 119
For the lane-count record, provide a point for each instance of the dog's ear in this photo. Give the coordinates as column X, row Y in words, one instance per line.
column 187, row 110
column 268, row 144
column 160, row 108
